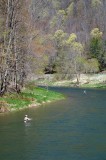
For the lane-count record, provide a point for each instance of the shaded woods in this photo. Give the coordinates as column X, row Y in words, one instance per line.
column 44, row 36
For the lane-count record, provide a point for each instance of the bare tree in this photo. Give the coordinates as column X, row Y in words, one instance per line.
column 12, row 44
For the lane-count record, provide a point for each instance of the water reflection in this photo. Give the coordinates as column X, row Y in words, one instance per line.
column 27, row 124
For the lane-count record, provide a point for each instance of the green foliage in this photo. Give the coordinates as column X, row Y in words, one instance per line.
column 74, row 45
column 96, row 33
column 61, row 12
column 59, row 35
column 72, row 38
column 28, row 96
column 58, row 21
column 75, row 55
column 95, row 48
column 56, row 4
column 94, row 86
column 60, row 42
column 96, row 45
column 96, row 3
column 70, row 9
column 92, row 65
column 88, row 65
column 78, row 47
column 53, row 21
column 59, row 38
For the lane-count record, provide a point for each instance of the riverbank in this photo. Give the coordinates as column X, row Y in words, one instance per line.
column 29, row 97
column 85, row 81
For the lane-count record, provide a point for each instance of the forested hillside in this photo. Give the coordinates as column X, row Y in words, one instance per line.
column 50, row 36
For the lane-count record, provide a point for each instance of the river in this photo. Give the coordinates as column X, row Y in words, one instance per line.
column 70, row 129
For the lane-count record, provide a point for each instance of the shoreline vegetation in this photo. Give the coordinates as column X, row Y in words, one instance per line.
column 66, row 83
column 85, row 81
column 31, row 96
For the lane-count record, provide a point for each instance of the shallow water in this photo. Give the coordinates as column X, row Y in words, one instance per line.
column 71, row 129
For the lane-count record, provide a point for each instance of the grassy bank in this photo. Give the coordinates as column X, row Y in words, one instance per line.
column 86, row 80
column 67, row 83
column 29, row 97
column 94, row 86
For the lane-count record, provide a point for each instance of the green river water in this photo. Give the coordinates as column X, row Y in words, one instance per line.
column 70, row 129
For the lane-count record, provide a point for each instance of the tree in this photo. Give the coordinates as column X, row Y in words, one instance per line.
column 96, row 3
column 58, row 21
column 90, row 65
column 59, row 42
column 12, row 45
column 96, row 45
column 75, row 54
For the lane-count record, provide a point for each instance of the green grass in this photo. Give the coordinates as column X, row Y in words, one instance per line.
column 94, row 85
column 28, row 96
